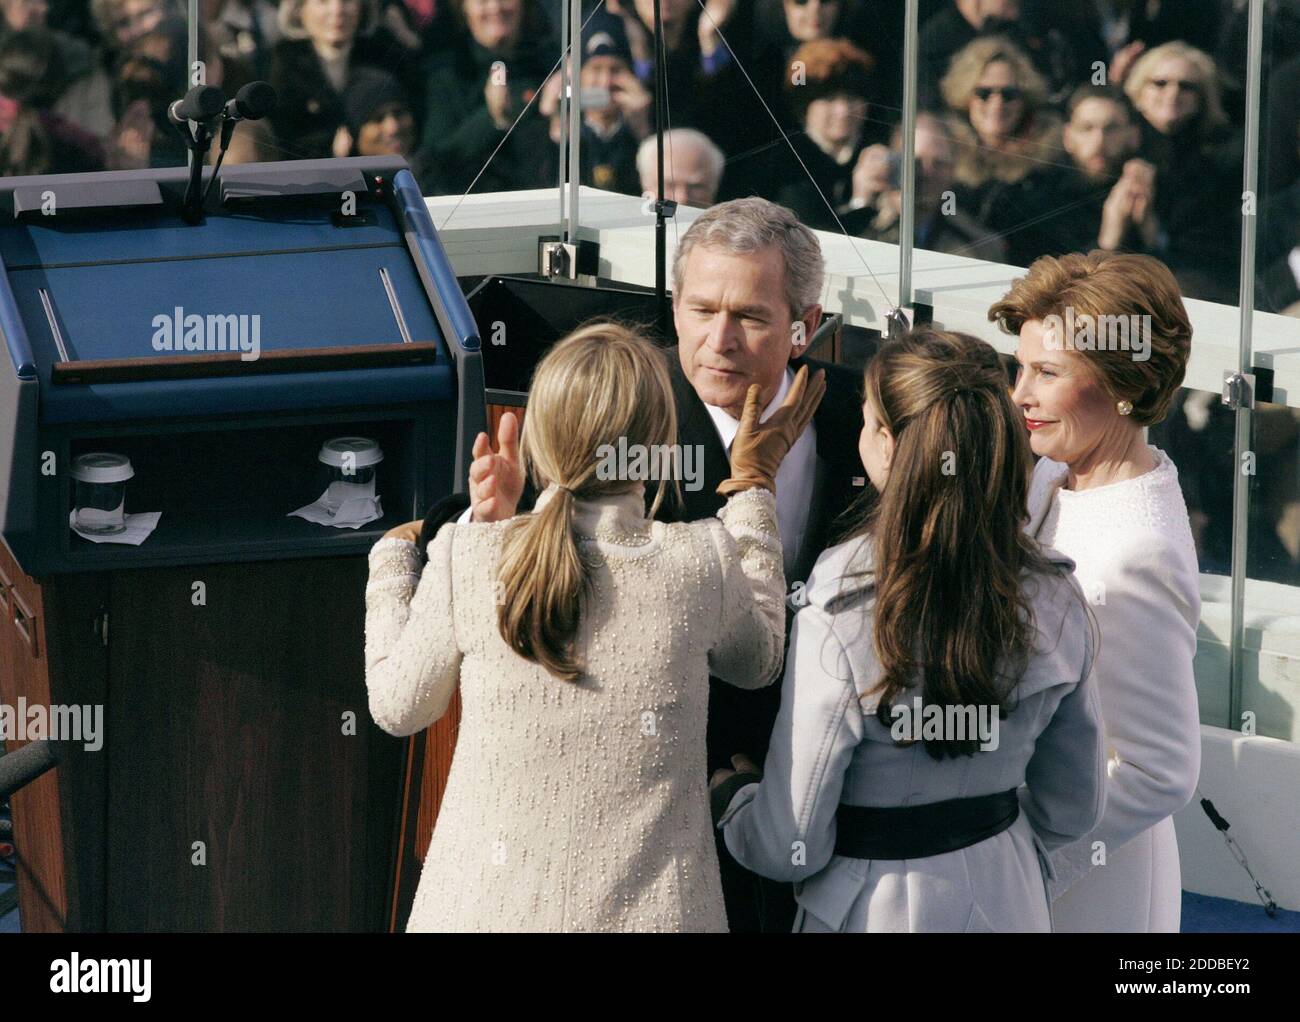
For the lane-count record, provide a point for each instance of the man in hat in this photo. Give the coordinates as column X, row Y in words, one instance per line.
column 615, row 111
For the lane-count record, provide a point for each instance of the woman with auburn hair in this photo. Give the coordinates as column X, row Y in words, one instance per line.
column 1104, row 341
column 938, row 732
column 830, row 96
column 1001, row 123
column 583, row 635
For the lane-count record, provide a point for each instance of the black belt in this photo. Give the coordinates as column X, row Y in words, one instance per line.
column 916, row 832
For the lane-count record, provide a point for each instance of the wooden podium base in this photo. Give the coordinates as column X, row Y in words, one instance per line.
column 240, row 784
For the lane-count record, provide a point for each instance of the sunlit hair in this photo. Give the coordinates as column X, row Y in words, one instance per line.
column 968, row 66
column 289, row 18
column 830, row 67
column 603, row 383
column 947, row 533
column 676, row 142
column 743, row 226
column 533, row 23
column 1212, row 117
column 1111, row 284
column 106, row 13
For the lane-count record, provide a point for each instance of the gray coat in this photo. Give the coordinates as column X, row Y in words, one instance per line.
column 828, row 747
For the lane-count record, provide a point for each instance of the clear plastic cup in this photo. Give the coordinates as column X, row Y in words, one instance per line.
column 100, row 500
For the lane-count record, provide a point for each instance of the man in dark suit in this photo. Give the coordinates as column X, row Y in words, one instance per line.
column 747, row 277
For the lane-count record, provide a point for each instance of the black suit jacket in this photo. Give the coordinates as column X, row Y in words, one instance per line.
column 741, row 720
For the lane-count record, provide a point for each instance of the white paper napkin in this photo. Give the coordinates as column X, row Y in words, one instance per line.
column 342, row 505
column 136, row 532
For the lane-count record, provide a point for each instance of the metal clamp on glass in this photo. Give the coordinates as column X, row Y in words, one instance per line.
column 1239, row 389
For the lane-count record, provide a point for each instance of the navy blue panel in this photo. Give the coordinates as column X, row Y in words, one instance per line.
column 15, row 331
column 463, row 329
column 47, row 241
column 303, row 300
column 275, row 392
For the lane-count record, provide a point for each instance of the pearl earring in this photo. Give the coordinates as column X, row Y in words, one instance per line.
column 1124, row 407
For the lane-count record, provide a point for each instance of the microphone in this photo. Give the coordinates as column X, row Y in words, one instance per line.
column 202, row 103
column 251, row 103
column 21, row 767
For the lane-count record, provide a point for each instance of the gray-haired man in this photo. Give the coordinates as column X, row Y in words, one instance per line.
column 747, row 281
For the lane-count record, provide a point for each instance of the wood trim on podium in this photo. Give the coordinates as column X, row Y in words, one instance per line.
column 232, row 363
column 428, row 764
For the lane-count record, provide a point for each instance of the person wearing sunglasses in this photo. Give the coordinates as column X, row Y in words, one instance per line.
column 1186, row 135
column 999, row 119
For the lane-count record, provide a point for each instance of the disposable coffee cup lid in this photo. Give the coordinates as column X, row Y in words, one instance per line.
column 102, row 467
column 363, row 452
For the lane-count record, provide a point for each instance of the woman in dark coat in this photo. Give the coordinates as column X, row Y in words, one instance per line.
column 1187, row 136
column 500, row 54
column 312, row 66
column 829, row 96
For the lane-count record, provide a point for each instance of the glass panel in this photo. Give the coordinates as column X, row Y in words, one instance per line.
column 83, row 92
column 1268, row 691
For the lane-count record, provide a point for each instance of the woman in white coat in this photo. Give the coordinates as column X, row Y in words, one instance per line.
column 1104, row 341
column 582, row 636
column 938, row 731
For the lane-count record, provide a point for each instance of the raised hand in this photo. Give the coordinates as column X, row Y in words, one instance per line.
column 500, row 106
column 633, row 100
column 871, row 173
column 713, row 18
column 759, row 448
column 496, row 481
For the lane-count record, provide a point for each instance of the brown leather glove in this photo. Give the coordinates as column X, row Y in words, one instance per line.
column 759, row 448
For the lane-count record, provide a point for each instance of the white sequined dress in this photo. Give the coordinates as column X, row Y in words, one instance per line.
column 578, row 806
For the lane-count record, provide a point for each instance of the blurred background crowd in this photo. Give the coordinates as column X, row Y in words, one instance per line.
column 1046, row 127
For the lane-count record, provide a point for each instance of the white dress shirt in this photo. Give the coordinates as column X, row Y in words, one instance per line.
column 794, row 479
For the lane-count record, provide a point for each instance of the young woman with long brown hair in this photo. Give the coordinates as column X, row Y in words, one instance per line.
column 582, row 636
column 937, row 732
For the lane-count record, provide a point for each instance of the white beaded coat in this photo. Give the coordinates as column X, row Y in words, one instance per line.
column 578, row 806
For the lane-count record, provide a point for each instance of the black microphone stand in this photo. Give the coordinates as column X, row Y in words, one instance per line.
column 197, row 141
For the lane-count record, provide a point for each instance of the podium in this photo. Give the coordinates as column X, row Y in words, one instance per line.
column 238, row 782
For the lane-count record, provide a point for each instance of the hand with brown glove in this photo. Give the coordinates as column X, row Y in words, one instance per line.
column 759, row 447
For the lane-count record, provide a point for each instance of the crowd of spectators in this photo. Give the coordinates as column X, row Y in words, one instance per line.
column 1044, row 127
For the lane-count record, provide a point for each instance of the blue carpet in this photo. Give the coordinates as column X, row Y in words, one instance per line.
column 1203, row 914
column 9, row 921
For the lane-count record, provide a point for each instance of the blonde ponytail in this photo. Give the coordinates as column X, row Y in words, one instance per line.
column 543, row 584
column 601, row 384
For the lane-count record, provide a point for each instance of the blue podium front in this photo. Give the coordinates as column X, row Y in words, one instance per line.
column 316, row 302
column 313, row 301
